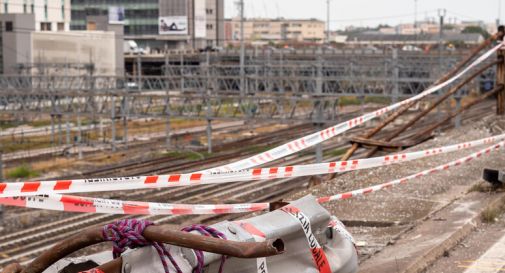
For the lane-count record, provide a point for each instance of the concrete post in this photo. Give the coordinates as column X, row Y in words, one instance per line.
column 167, row 100
column 67, row 127
column 60, row 131
column 52, row 129
column 182, row 73
column 139, row 72
column 79, row 134
column 209, row 121
column 125, row 121
column 113, row 123
column 396, row 75
column 319, row 109
column 457, row 120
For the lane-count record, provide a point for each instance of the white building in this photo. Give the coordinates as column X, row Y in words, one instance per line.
column 50, row 15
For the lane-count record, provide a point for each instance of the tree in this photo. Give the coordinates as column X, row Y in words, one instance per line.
column 476, row 29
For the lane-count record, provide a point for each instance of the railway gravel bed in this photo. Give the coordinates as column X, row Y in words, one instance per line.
column 377, row 219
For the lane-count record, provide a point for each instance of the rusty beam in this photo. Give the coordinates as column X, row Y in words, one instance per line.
column 434, row 105
column 481, row 98
column 403, row 109
column 398, row 145
column 162, row 234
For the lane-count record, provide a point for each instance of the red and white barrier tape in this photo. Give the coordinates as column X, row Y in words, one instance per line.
column 318, row 255
column 173, row 180
column 318, row 137
column 404, row 180
column 98, row 205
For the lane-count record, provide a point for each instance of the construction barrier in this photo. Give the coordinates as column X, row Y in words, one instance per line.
column 199, row 178
column 98, row 205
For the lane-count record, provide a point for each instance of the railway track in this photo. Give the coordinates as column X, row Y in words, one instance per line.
column 26, row 244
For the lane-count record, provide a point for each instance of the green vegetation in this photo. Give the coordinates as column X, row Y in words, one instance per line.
column 23, row 171
column 189, row 155
column 352, row 100
column 259, row 148
column 476, row 29
column 490, row 215
column 378, row 100
column 479, row 187
column 346, row 101
column 335, row 153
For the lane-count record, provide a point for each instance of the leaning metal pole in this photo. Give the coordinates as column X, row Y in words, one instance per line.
column 402, row 110
column 433, row 105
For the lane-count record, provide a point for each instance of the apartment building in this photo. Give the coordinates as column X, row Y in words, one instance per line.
column 275, row 30
column 50, row 15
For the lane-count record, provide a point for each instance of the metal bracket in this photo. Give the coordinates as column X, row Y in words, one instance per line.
column 495, row 177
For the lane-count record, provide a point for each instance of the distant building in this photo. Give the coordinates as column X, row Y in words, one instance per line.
column 155, row 24
column 275, row 30
column 50, row 15
column 22, row 49
column 381, row 39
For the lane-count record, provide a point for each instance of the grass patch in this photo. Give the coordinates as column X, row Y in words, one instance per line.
column 490, row 215
column 378, row 100
column 479, row 187
column 259, row 149
column 23, row 171
column 189, row 155
column 335, row 153
column 348, row 100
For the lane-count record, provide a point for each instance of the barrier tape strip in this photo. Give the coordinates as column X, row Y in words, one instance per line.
column 173, row 180
column 404, row 180
column 318, row 137
column 98, row 205
column 320, row 260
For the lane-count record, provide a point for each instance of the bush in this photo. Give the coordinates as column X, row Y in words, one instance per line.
column 22, row 171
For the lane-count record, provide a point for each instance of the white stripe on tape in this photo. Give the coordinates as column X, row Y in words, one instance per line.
column 173, row 180
column 403, row 180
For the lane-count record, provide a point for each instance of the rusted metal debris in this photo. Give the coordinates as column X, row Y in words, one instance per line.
column 395, row 115
column 390, row 146
column 423, row 113
column 163, row 234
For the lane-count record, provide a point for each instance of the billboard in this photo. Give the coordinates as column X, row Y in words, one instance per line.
column 173, row 25
column 116, row 15
column 200, row 19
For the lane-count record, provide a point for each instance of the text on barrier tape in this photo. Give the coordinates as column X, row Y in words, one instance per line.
column 318, row 255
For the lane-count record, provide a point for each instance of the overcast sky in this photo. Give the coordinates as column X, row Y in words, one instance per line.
column 369, row 12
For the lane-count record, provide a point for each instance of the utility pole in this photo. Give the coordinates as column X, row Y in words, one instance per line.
column 441, row 14
column 499, row 14
column 328, row 21
column 415, row 17
column 242, row 48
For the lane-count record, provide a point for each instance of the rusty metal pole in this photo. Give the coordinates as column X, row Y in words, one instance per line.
column 163, row 234
column 481, row 98
column 433, row 106
column 403, row 109
column 500, row 77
